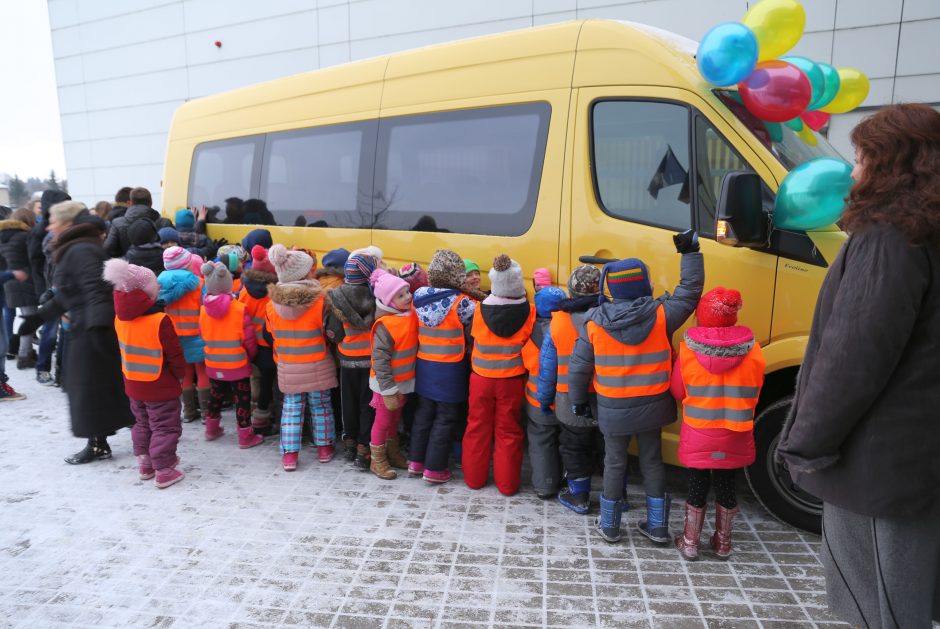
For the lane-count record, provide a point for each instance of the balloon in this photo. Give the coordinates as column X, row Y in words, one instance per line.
column 775, row 131
column 813, row 72
column 777, row 24
column 796, row 124
column 830, row 88
column 727, row 54
column 815, row 120
column 853, row 89
column 813, row 194
column 807, row 136
column 776, row 91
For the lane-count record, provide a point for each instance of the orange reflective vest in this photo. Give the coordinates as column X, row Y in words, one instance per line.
column 185, row 312
column 622, row 371
column 356, row 344
column 445, row 343
column 256, row 309
column 224, row 338
column 141, row 350
column 721, row 400
column 404, row 331
column 495, row 356
column 298, row 340
column 530, row 357
column 564, row 335
column 236, row 286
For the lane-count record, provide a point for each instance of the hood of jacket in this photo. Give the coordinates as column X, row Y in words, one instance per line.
column 505, row 319
column 331, row 271
column 13, row 225
column 292, row 299
column 720, row 349
column 628, row 321
column 77, row 233
column 177, row 280
column 578, row 304
column 217, row 305
column 136, row 303
column 135, row 212
column 256, row 282
column 433, row 304
column 353, row 304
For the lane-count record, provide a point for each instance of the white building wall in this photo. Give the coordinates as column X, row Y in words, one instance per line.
column 123, row 66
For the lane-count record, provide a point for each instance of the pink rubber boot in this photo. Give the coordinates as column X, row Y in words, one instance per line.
column 144, row 467
column 246, row 437
column 213, row 429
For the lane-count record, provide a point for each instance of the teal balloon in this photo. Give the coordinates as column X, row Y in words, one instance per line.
column 796, row 124
column 813, row 194
column 775, row 130
column 831, row 85
column 815, row 75
column 727, row 54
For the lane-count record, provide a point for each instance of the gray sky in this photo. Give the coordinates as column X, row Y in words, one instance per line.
column 30, row 131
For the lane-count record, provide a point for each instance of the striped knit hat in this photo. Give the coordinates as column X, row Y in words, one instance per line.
column 626, row 279
column 176, row 258
column 359, row 266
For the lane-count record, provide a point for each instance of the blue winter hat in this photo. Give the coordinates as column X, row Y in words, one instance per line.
column 336, row 258
column 257, row 237
column 168, row 234
column 185, row 220
column 548, row 300
column 626, row 279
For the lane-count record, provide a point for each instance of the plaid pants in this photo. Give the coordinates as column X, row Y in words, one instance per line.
column 292, row 419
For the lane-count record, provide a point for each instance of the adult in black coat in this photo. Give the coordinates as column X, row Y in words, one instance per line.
column 864, row 433
column 38, row 262
column 118, row 240
column 14, row 247
column 98, row 406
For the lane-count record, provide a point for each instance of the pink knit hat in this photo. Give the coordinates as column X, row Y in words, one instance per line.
column 260, row 261
column 290, row 266
column 542, row 277
column 176, row 258
column 414, row 275
column 128, row 277
column 386, row 285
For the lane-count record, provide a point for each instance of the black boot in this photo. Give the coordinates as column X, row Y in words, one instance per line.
column 97, row 448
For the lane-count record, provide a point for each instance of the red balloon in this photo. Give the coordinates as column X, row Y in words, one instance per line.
column 815, row 120
column 776, row 91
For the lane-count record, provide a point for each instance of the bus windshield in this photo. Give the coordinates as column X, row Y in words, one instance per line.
column 789, row 147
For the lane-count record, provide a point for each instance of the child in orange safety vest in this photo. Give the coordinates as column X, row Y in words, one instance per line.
column 501, row 327
column 230, row 346
column 255, row 282
column 625, row 349
column 153, row 365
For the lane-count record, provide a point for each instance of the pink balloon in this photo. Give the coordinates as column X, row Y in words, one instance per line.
column 815, row 120
column 776, row 91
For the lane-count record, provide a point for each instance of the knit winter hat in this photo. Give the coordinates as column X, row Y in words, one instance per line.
column 627, row 279
column 414, row 275
column 176, row 258
column 218, row 278
column 542, row 278
column 185, row 220
column 257, row 237
column 548, row 300
column 385, row 286
column 240, row 254
column 142, row 232
column 260, row 261
column 290, row 266
column 585, row 280
column 195, row 264
column 506, row 278
column 470, row 265
column 128, row 277
column 358, row 268
column 168, row 234
column 718, row 308
column 446, row 270
column 336, row 258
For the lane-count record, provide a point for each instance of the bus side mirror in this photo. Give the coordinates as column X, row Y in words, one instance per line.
column 741, row 220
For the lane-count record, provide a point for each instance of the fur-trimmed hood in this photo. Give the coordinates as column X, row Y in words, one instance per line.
column 354, row 305
column 292, row 299
column 13, row 224
column 323, row 271
column 720, row 349
column 256, row 282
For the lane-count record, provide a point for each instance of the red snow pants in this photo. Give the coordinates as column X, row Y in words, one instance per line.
column 493, row 427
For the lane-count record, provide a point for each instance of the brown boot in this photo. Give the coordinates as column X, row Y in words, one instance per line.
column 721, row 540
column 395, row 457
column 379, row 464
column 687, row 543
column 363, row 457
column 203, row 396
column 190, row 408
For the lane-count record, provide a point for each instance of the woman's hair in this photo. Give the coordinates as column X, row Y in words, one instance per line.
column 24, row 215
column 66, row 211
column 103, row 210
column 900, row 184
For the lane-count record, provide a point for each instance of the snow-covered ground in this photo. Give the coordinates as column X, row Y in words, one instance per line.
column 241, row 543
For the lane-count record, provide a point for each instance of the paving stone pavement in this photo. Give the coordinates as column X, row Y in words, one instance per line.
column 240, row 543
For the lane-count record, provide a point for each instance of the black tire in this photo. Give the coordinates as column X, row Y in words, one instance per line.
column 770, row 481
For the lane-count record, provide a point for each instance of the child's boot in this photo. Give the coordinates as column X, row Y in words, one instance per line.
column 576, row 495
column 261, row 422
column 415, row 468
column 656, row 526
column 721, row 540
column 363, row 457
column 247, row 438
column 379, row 465
column 168, row 476
column 349, row 452
column 190, row 407
column 395, row 458
column 437, row 477
column 289, row 461
column 608, row 524
column 325, row 453
column 144, row 467
column 202, row 395
column 214, row 429
column 687, row 543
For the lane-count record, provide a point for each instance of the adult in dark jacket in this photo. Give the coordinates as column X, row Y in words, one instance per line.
column 38, row 262
column 118, row 240
column 98, row 405
column 14, row 248
column 864, row 433
column 145, row 249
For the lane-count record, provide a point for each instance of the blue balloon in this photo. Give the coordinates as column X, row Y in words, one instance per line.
column 727, row 54
column 813, row 194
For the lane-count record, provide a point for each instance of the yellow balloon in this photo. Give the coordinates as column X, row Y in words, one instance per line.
column 777, row 24
column 806, row 134
column 853, row 90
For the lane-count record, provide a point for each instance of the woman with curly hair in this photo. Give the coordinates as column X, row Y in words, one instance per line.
column 864, row 433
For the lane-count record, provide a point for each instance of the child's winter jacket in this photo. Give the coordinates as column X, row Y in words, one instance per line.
column 329, row 277
column 255, row 297
column 129, row 306
column 222, row 321
column 349, row 324
column 437, row 380
column 174, row 286
column 501, row 327
column 394, row 352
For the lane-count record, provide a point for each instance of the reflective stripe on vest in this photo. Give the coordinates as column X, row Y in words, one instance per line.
column 140, row 346
column 497, row 357
column 224, row 338
column 185, row 312
column 356, row 344
column 723, row 400
column 564, row 335
column 530, row 356
column 298, row 340
column 255, row 309
column 622, row 371
column 404, row 332
column 444, row 343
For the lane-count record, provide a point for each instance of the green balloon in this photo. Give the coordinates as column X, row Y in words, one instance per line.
column 815, row 75
column 831, row 86
column 796, row 124
column 774, row 130
column 813, row 194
